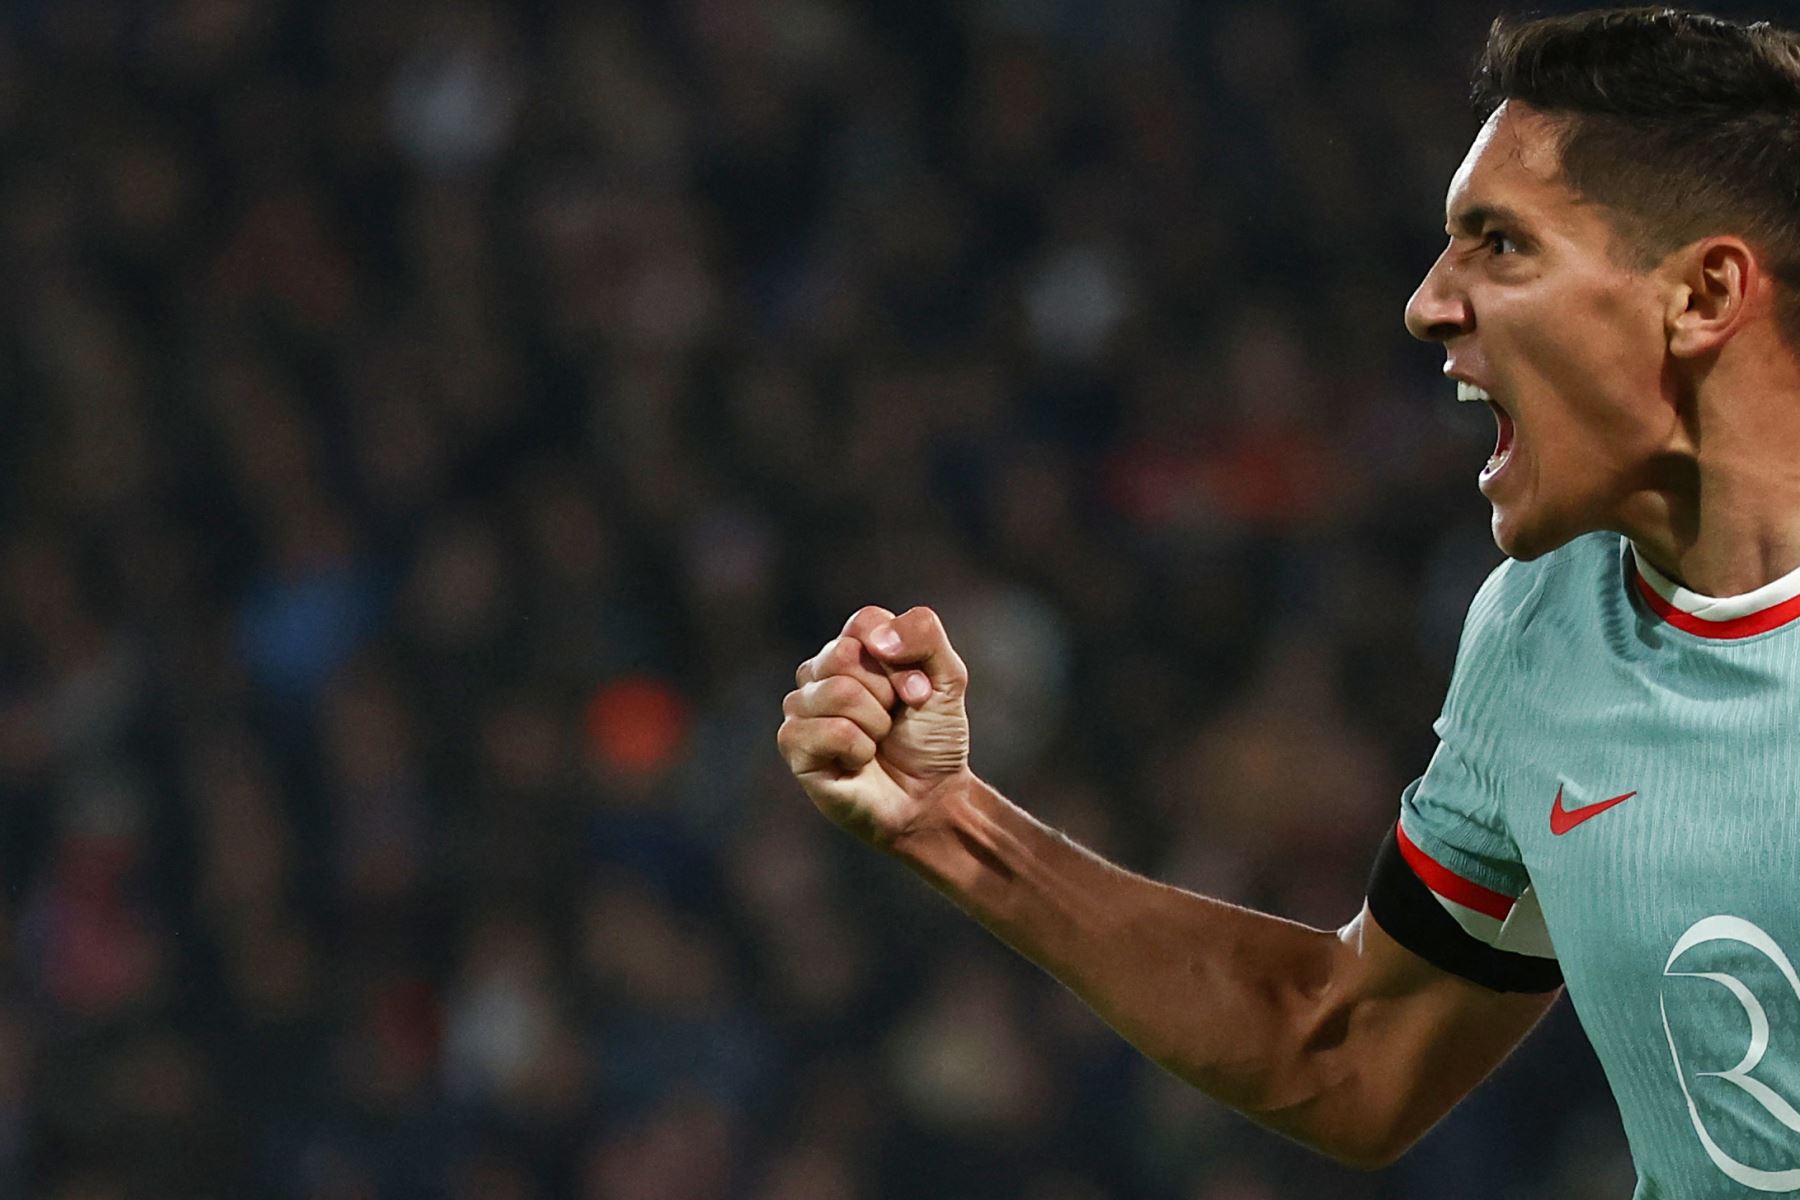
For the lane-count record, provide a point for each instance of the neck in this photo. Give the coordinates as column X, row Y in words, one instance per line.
column 1723, row 517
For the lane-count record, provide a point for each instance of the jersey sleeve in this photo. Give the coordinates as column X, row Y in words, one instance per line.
column 1449, row 884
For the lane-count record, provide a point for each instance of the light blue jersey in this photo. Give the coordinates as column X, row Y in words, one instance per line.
column 1617, row 786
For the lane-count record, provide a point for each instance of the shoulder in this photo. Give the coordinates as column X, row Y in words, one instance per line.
column 1528, row 614
column 1518, row 593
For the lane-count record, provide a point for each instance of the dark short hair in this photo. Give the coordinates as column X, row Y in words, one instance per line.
column 1684, row 125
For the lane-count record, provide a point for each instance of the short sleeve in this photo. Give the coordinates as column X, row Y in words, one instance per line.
column 1451, row 833
column 1450, row 884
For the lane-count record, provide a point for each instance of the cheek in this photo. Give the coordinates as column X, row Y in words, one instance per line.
column 1602, row 365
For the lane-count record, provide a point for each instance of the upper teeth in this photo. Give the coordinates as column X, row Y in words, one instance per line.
column 1468, row 393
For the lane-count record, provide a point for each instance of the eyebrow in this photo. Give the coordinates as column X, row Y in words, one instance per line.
column 1471, row 221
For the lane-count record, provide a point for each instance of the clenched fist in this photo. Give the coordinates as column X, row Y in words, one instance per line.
column 875, row 727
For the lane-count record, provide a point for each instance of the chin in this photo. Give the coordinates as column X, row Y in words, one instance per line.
column 1522, row 538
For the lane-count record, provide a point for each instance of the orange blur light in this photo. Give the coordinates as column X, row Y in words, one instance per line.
column 636, row 724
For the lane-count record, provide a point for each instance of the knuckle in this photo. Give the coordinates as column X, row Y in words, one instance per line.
column 842, row 652
column 840, row 691
column 788, row 742
column 840, row 733
column 866, row 617
column 925, row 618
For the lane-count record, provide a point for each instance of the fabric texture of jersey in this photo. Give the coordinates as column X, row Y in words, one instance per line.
column 1617, row 785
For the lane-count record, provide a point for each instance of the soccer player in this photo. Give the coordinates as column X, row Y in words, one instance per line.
column 1615, row 799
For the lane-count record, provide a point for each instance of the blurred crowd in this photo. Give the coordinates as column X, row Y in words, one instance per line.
column 431, row 434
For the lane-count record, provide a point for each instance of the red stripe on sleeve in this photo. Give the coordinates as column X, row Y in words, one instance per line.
column 1449, row 884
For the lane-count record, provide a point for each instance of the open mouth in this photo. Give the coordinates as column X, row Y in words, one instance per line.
column 1503, row 442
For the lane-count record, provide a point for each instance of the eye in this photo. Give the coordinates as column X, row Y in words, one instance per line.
column 1499, row 243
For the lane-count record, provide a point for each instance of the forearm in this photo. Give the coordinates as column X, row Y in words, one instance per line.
column 1237, row 1003
column 1347, row 1041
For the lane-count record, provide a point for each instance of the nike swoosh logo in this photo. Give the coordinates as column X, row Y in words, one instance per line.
column 1564, row 819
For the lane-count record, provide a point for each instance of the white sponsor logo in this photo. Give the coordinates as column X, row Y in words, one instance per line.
column 1735, row 929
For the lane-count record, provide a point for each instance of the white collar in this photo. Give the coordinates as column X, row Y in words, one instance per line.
column 1718, row 608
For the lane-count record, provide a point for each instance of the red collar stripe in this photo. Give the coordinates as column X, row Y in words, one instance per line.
column 1449, row 884
column 1773, row 617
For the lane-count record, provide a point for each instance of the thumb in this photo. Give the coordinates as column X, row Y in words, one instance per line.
column 916, row 639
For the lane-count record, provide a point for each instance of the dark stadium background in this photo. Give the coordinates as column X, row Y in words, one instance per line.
column 431, row 433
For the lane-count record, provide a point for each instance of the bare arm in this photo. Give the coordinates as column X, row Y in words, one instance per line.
column 1343, row 1040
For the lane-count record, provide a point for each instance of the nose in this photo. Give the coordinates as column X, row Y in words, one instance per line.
column 1439, row 310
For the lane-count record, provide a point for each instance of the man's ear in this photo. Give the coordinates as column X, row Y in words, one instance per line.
column 1716, row 280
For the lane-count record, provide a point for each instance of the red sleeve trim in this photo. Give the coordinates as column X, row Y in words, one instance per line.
column 1449, row 884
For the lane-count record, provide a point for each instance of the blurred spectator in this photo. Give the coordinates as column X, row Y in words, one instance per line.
column 431, row 436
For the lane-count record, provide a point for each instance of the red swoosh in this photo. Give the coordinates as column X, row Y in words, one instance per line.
column 1562, row 819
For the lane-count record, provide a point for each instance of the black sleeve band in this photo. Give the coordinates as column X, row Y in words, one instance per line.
column 1407, row 912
